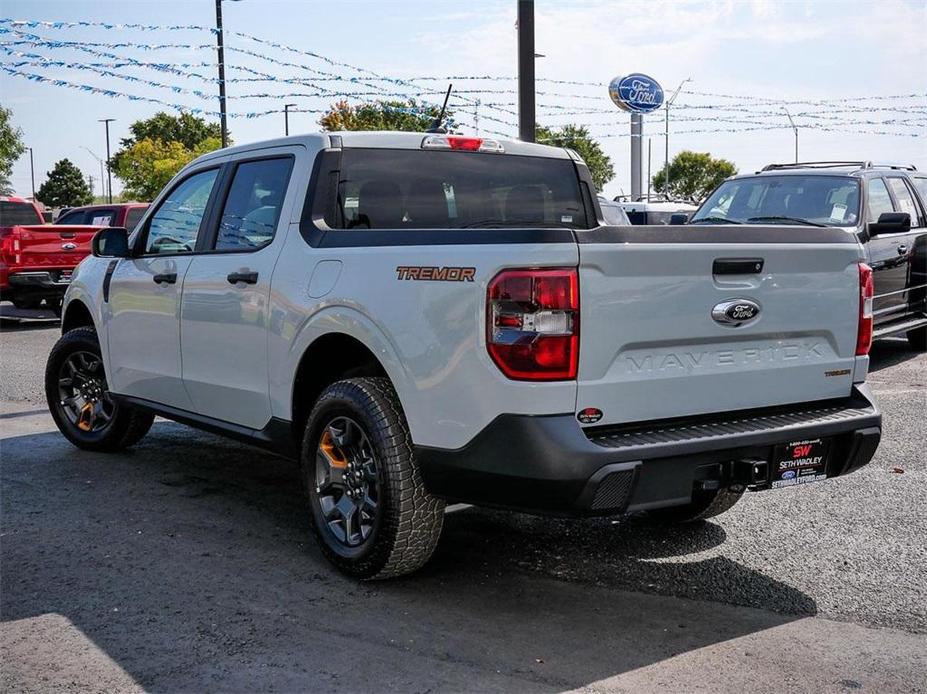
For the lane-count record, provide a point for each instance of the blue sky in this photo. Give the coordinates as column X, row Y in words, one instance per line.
column 794, row 52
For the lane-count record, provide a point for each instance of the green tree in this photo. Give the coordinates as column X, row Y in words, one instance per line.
column 11, row 149
column 148, row 165
column 383, row 115
column 65, row 187
column 577, row 138
column 693, row 175
column 158, row 148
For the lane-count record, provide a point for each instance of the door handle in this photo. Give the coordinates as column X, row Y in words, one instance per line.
column 246, row 277
column 902, row 249
column 166, row 278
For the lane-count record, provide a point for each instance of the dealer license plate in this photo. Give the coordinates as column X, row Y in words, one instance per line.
column 800, row 462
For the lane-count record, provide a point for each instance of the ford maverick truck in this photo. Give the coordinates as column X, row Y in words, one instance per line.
column 425, row 318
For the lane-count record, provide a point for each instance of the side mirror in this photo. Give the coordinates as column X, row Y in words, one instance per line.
column 890, row 223
column 679, row 218
column 111, row 242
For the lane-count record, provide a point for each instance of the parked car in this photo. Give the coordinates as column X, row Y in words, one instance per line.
column 125, row 214
column 468, row 329
column 613, row 213
column 37, row 259
column 645, row 212
column 883, row 205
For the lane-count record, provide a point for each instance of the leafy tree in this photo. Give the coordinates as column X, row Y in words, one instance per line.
column 693, row 175
column 11, row 149
column 147, row 165
column 158, row 148
column 186, row 129
column 383, row 115
column 577, row 138
column 65, row 187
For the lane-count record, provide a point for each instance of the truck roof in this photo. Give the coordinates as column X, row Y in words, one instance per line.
column 386, row 139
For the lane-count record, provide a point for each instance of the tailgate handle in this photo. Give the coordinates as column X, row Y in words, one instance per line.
column 66, row 234
column 737, row 266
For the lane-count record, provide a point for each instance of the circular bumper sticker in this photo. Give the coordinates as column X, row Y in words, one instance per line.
column 590, row 415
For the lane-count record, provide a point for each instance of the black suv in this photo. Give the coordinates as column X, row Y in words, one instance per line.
column 885, row 205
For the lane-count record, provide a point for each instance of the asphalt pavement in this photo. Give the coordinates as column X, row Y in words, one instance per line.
column 186, row 564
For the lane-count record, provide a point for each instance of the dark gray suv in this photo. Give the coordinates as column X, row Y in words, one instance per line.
column 885, row 205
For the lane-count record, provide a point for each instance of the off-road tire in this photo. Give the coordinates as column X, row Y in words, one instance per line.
column 127, row 426
column 409, row 519
column 918, row 339
column 704, row 505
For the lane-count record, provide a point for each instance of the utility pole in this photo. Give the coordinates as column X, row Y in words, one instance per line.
column 109, row 173
column 221, row 48
column 286, row 117
column 666, row 137
column 794, row 128
column 90, row 183
column 526, row 58
column 32, row 171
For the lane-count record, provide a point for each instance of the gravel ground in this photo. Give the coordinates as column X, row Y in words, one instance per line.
column 189, row 558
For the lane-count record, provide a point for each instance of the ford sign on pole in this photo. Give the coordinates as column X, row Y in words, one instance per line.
column 637, row 94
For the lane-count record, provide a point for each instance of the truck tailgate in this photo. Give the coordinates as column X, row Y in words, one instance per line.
column 49, row 246
column 650, row 348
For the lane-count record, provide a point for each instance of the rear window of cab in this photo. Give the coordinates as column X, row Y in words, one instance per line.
column 411, row 189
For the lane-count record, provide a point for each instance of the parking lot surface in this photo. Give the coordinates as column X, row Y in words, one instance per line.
column 187, row 564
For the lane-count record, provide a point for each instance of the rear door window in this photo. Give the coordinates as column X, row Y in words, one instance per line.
column 412, row 189
column 879, row 199
column 904, row 198
column 252, row 207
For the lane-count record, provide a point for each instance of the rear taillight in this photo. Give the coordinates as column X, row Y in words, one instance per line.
column 864, row 332
column 532, row 323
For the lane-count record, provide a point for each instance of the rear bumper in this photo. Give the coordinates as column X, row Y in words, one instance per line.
column 43, row 283
column 549, row 464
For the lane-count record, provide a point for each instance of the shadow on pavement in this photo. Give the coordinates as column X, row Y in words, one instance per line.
column 189, row 562
column 890, row 351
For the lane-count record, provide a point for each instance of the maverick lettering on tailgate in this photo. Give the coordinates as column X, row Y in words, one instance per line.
column 435, row 274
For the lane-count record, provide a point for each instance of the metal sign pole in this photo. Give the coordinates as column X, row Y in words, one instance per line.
column 637, row 127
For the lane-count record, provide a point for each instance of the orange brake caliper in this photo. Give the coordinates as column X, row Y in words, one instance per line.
column 85, row 419
column 332, row 452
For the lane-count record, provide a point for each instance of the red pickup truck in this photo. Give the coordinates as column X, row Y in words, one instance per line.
column 37, row 259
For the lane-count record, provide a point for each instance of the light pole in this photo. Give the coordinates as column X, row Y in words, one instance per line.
column 795, row 128
column 666, row 137
column 526, row 58
column 32, row 172
column 286, row 117
column 109, row 173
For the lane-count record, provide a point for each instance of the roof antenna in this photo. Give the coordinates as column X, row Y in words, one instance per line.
column 436, row 126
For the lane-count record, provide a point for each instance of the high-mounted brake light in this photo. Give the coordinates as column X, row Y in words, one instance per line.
column 866, row 291
column 461, row 143
column 532, row 323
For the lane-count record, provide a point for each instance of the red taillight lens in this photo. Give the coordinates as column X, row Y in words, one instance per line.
column 866, row 291
column 532, row 324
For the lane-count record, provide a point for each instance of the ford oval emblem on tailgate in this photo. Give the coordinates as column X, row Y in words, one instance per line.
column 68, row 246
column 735, row 312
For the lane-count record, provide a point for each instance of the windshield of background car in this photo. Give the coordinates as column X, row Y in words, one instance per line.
column 17, row 213
column 826, row 200
column 412, row 189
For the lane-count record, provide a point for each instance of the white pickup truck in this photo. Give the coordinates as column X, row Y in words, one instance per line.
column 422, row 318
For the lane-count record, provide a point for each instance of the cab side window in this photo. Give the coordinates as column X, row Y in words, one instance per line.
column 905, row 199
column 879, row 199
column 252, row 208
column 174, row 226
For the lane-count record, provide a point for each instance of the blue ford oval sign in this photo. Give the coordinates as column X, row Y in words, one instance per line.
column 636, row 92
